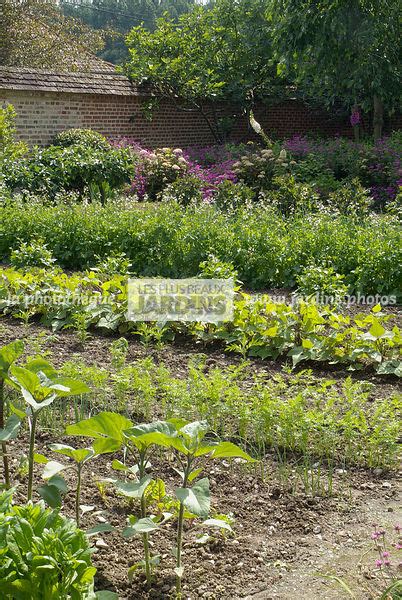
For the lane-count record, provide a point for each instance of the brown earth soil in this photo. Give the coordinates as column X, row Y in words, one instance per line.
column 284, row 538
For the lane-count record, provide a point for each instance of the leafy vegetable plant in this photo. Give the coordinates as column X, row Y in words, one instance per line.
column 44, row 555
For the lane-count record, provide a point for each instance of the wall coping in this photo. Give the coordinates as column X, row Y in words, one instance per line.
column 100, row 81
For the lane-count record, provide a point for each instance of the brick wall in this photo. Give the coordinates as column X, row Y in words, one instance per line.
column 40, row 115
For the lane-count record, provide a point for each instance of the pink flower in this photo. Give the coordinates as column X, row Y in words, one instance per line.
column 378, row 563
column 385, row 554
column 355, row 117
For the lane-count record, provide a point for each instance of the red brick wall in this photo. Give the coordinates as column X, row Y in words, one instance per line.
column 41, row 115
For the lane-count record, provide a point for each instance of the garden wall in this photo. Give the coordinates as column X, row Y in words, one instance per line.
column 108, row 103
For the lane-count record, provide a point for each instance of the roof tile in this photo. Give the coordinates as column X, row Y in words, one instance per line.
column 91, row 82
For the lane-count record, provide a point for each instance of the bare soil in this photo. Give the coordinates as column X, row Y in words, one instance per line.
column 283, row 539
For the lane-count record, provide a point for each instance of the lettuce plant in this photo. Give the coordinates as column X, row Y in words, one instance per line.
column 44, row 555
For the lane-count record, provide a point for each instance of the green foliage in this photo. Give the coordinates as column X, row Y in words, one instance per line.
column 230, row 196
column 258, row 168
column 331, row 50
column 185, row 190
column 9, row 148
column 261, row 327
column 322, row 281
column 32, row 254
column 210, row 54
column 81, row 137
column 215, row 268
column 73, row 168
column 351, row 199
column 44, row 555
column 291, row 197
column 167, row 240
column 116, row 263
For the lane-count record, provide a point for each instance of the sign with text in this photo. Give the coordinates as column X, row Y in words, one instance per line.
column 201, row 300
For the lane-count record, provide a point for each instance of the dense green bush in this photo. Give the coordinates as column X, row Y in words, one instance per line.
column 81, row 137
column 32, row 254
column 185, row 190
column 43, row 555
column 257, row 169
column 267, row 249
column 79, row 168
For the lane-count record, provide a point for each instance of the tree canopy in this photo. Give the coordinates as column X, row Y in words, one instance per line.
column 223, row 53
column 118, row 17
column 342, row 50
column 35, row 33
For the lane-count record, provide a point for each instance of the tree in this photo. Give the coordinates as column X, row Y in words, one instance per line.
column 209, row 56
column 34, row 33
column 118, row 17
column 342, row 50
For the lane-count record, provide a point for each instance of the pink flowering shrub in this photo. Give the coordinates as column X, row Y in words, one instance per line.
column 159, row 168
column 378, row 166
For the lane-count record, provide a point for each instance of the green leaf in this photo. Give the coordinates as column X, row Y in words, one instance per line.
column 11, row 429
column 80, row 455
column 132, row 489
column 52, row 468
column 217, row 523
column 40, row 459
column 147, row 434
column 106, row 595
column 8, row 355
column 101, row 528
column 145, row 525
column 377, row 330
column 107, row 427
column 196, row 499
column 51, row 495
column 229, row 450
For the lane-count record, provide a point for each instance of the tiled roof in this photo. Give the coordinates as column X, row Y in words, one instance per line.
column 103, row 80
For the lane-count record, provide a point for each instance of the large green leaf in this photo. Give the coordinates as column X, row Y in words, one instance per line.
column 230, row 450
column 79, row 455
column 146, row 434
column 51, row 495
column 145, row 525
column 11, row 428
column 8, row 355
column 196, row 499
column 132, row 489
column 52, row 468
column 107, row 427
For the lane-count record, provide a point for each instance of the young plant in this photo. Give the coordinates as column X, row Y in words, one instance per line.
column 8, row 430
column 40, row 385
column 139, row 441
column 192, row 453
column 80, row 457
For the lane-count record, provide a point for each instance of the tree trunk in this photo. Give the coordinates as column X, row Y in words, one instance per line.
column 378, row 117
